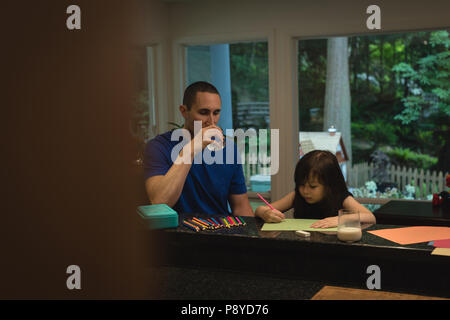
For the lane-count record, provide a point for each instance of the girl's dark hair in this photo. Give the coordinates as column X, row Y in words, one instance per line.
column 323, row 166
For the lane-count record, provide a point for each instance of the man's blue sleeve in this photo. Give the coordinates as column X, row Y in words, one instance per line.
column 156, row 161
column 237, row 185
column 238, row 181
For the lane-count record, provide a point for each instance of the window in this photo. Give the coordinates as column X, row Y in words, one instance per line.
column 240, row 73
column 395, row 90
column 143, row 122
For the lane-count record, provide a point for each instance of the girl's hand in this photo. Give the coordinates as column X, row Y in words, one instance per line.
column 330, row 222
column 270, row 215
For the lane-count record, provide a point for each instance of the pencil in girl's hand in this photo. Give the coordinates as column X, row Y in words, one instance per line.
column 265, row 201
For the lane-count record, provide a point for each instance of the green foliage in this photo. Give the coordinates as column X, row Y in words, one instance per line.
column 404, row 75
column 406, row 70
column 428, row 81
column 408, row 158
column 176, row 125
column 250, row 71
column 400, row 90
column 312, row 75
column 379, row 132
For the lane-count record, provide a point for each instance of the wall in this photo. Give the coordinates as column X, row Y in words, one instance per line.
column 304, row 18
column 151, row 28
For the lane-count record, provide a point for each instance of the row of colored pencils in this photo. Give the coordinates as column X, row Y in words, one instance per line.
column 213, row 223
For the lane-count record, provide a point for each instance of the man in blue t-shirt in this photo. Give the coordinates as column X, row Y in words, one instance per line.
column 175, row 169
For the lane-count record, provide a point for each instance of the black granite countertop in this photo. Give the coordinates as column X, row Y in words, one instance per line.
column 320, row 258
column 253, row 226
column 413, row 213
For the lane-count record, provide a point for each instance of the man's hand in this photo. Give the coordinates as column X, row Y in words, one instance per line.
column 205, row 137
column 201, row 140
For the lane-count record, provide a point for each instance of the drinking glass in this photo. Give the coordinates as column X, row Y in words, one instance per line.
column 349, row 226
column 214, row 146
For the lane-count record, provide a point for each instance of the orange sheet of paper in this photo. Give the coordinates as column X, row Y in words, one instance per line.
column 410, row 235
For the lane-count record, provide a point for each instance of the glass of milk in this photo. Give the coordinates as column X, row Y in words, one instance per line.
column 349, row 226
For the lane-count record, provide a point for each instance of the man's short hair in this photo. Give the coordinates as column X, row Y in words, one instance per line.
column 191, row 92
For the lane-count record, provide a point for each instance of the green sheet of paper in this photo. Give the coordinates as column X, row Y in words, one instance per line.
column 294, row 225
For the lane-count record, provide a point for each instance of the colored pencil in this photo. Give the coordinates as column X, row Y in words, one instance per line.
column 242, row 221
column 218, row 224
column 202, row 227
column 265, row 201
column 205, row 221
column 230, row 221
column 193, row 225
column 236, row 220
column 215, row 224
column 221, row 224
column 190, row 226
column 206, row 225
column 226, row 223
column 198, row 224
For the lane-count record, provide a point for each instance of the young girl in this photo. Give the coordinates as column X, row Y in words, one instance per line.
column 320, row 191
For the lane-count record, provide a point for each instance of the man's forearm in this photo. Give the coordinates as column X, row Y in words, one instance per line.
column 168, row 188
column 240, row 205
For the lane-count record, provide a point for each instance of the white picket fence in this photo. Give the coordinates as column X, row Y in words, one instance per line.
column 426, row 182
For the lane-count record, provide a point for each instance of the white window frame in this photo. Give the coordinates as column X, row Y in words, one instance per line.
column 283, row 100
column 380, row 201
